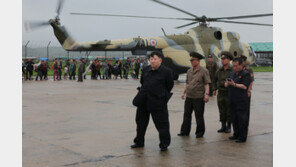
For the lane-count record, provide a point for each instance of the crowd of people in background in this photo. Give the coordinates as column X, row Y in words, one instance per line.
column 104, row 69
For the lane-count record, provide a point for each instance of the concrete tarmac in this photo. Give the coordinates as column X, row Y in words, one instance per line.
column 67, row 123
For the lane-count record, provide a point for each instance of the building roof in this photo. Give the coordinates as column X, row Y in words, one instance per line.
column 262, row 46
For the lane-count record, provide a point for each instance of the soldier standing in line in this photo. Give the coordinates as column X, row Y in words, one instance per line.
column 212, row 67
column 93, row 69
column 73, row 70
column 29, row 69
column 60, row 67
column 120, row 69
column 80, row 71
column 197, row 94
column 55, row 70
column 137, row 68
column 39, row 70
column 222, row 97
column 98, row 69
column 46, row 67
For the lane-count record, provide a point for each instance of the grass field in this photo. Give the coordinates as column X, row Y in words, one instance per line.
column 262, row 69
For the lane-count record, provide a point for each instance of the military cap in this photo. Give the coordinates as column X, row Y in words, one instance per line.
column 227, row 55
column 243, row 57
column 195, row 56
column 210, row 56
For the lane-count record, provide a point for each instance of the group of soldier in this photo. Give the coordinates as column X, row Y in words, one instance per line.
column 96, row 66
column 233, row 84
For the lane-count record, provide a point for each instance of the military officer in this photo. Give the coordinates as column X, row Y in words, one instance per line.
column 197, row 93
column 238, row 84
column 212, row 68
column 157, row 81
column 247, row 68
column 222, row 97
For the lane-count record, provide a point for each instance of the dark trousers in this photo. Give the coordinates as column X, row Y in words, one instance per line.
column 239, row 119
column 93, row 74
column 211, row 89
column 39, row 74
column 72, row 74
column 125, row 73
column 198, row 105
column 161, row 122
column 98, row 74
column 29, row 74
column 80, row 77
column 223, row 105
column 59, row 74
column 120, row 73
column 137, row 73
column 45, row 74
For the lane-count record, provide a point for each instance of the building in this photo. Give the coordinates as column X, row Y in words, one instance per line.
column 263, row 50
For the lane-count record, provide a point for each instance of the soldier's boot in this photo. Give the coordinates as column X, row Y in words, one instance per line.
column 223, row 127
column 228, row 127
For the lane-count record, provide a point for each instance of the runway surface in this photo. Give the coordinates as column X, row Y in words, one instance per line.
column 67, row 123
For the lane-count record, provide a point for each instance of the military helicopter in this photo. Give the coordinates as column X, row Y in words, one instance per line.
column 202, row 38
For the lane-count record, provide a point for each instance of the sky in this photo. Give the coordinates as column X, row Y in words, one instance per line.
column 94, row 28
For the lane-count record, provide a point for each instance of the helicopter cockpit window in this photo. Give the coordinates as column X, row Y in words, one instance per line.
column 218, row 35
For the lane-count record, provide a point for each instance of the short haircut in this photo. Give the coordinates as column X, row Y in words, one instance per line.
column 239, row 60
column 158, row 54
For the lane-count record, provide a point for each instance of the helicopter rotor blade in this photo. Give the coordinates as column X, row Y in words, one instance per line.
column 242, row 17
column 186, row 25
column 237, row 22
column 165, row 4
column 59, row 7
column 31, row 25
column 145, row 17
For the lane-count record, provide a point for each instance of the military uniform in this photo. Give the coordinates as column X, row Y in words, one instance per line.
column 250, row 71
column 212, row 68
column 238, row 100
column 157, row 85
column 222, row 97
column 195, row 91
column 80, row 72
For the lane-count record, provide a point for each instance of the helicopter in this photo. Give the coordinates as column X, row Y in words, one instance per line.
column 202, row 38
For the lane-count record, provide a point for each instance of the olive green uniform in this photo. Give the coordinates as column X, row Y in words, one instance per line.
column 212, row 68
column 222, row 97
column 195, row 91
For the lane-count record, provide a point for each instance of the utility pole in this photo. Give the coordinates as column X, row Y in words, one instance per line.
column 26, row 49
column 48, row 50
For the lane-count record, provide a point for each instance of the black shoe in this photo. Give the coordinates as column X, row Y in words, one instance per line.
column 199, row 136
column 163, row 149
column 223, row 127
column 137, row 145
column 240, row 141
column 232, row 138
column 227, row 130
column 183, row 134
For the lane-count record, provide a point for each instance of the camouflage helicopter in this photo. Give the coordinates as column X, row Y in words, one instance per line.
column 175, row 48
